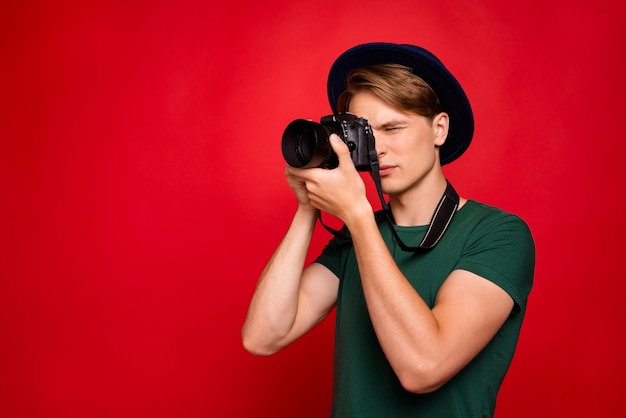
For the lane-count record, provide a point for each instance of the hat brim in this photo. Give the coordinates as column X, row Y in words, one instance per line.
column 423, row 64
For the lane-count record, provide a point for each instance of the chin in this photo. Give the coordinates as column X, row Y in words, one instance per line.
column 390, row 189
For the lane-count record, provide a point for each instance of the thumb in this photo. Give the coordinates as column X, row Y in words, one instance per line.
column 340, row 148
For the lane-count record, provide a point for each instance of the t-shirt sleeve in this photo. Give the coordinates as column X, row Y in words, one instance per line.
column 502, row 250
column 332, row 254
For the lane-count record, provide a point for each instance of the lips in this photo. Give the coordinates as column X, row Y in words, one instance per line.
column 386, row 169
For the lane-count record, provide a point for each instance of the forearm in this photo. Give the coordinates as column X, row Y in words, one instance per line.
column 425, row 347
column 405, row 326
column 274, row 305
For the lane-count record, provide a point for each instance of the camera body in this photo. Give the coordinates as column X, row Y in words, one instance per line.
column 305, row 144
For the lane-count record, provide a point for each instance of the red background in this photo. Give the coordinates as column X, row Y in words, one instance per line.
column 142, row 192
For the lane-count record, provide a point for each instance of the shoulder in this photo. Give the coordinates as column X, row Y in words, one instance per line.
column 499, row 247
column 487, row 219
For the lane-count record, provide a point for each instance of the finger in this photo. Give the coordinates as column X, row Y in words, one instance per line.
column 300, row 173
column 340, row 148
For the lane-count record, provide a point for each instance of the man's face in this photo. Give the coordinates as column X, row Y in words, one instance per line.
column 407, row 143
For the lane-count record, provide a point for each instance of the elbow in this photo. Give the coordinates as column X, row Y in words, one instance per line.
column 257, row 349
column 255, row 346
column 422, row 379
column 420, row 387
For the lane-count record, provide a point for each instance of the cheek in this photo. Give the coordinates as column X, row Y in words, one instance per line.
column 421, row 147
column 421, row 154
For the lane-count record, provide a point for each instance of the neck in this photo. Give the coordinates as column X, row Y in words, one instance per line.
column 416, row 206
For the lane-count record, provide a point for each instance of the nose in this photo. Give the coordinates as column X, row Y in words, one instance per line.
column 381, row 149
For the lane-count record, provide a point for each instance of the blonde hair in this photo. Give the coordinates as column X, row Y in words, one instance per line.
column 394, row 84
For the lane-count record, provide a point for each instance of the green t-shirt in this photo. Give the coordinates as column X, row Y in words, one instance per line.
column 482, row 239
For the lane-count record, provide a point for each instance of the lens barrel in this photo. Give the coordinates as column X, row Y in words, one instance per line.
column 305, row 144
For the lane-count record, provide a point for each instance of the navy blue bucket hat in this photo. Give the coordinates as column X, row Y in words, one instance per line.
column 423, row 64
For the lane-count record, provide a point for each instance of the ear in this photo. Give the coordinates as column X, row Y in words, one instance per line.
column 441, row 123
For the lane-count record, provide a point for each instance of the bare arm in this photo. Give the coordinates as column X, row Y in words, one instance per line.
column 425, row 347
column 289, row 301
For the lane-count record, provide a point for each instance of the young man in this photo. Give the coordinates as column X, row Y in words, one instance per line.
column 426, row 332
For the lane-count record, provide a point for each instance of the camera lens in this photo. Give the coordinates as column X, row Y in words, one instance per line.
column 305, row 144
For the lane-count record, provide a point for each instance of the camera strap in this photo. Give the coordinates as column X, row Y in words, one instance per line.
column 442, row 217
column 446, row 208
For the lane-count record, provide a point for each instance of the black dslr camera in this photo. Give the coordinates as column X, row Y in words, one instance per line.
column 305, row 143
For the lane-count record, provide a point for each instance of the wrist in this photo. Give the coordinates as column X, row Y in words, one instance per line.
column 359, row 215
column 307, row 211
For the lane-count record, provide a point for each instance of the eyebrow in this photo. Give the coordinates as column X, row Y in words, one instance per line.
column 390, row 124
